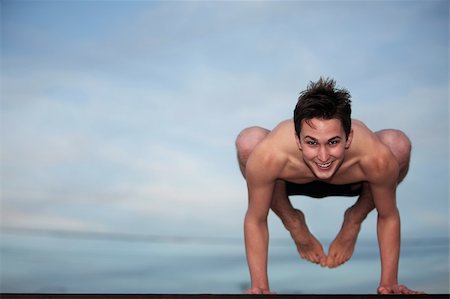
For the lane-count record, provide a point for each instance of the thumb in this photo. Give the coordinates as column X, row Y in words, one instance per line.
column 384, row 290
column 253, row 291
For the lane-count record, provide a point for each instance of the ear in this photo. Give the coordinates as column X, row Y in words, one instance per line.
column 349, row 139
column 299, row 144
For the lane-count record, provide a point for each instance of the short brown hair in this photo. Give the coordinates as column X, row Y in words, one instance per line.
column 323, row 100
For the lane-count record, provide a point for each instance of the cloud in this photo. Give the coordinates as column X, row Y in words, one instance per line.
column 148, row 126
column 15, row 218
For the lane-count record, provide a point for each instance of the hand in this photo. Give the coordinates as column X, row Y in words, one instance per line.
column 258, row 291
column 396, row 289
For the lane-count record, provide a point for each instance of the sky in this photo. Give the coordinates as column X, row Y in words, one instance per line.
column 121, row 116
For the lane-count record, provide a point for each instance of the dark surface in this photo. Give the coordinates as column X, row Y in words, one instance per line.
column 205, row 296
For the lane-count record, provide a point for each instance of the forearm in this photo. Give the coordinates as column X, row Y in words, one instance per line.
column 389, row 243
column 256, row 245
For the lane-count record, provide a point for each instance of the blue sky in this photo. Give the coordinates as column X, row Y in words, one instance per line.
column 120, row 116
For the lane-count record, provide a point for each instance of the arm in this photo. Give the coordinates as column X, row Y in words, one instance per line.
column 260, row 189
column 388, row 231
column 383, row 187
column 256, row 245
column 383, row 179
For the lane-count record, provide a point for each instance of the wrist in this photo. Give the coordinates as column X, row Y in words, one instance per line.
column 260, row 284
column 387, row 282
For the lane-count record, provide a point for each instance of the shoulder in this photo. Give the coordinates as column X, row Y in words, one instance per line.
column 265, row 163
column 380, row 165
column 376, row 159
column 270, row 155
column 286, row 126
column 359, row 126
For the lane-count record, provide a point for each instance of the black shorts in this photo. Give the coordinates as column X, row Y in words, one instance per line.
column 319, row 189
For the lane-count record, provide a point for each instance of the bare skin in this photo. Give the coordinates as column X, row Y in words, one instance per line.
column 379, row 161
column 341, row 249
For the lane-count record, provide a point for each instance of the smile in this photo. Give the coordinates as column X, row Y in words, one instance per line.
column 324, row 165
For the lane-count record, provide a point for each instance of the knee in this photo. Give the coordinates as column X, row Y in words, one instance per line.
column 402, row 144
column 247, row 140
column 399, row 143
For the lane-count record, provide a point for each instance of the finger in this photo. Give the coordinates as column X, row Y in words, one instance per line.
column 384, row 290
column 253, row 291
column 420, row 293
column 404, row 290
column 269, row 293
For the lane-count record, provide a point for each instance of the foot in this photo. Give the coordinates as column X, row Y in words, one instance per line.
column 308, row 246
column 341, row 250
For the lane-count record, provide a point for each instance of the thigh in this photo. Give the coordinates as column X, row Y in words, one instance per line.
column 246, row 142
column 398, row 142
column 400, row 146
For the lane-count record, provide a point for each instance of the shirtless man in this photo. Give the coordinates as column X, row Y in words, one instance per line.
column 323, row 152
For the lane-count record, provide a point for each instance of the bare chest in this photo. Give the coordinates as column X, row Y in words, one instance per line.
column 298, row 172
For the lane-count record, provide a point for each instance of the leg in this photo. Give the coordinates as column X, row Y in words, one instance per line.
column 342, row 247
column 400, row 146
column 294, row 220
column 246, row 142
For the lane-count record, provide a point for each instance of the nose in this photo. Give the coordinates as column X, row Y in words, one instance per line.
column 323, row 155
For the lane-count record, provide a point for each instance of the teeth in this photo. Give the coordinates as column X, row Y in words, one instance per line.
column 324, row 165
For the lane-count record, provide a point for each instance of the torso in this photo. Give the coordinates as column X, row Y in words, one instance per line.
column 282, row 144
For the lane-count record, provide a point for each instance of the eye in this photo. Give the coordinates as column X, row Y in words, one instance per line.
column 333, row 142
column 311, row 142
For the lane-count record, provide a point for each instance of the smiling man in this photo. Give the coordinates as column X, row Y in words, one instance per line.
column 323, row 152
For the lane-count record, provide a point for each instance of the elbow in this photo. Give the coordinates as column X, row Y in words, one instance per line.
column 389, row 215
column 253, row 221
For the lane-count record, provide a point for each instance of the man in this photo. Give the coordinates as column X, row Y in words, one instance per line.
column 323, row 152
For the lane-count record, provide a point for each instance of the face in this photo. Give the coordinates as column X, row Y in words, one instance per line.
column 323, row 144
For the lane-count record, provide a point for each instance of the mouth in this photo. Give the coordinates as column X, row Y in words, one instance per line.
column 324, row 166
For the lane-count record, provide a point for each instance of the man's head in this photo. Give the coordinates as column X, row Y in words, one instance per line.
column 323, row 100
column 323, row 126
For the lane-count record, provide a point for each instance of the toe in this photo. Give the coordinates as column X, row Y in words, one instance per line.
column 323, row 261
column 315, row 258
column 341, row 260
column 330, row 262
column 302, row 255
